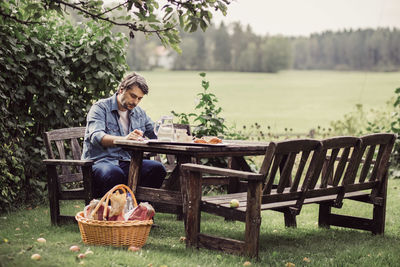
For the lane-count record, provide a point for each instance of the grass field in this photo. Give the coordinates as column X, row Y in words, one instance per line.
column 300, row 100
column 306, row 245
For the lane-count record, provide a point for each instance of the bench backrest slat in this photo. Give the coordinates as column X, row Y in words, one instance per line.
column 286, row 172
column 66, row 133
column 377, row 162
column 275, row 166
column 299, row 172
column 76, row 149
column 328, row 167
column 344, row 157
column 367, row 163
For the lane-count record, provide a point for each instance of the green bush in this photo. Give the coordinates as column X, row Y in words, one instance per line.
column 207, row 118
column 50, row 74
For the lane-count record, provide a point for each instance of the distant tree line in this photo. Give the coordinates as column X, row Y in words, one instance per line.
column 234, row 48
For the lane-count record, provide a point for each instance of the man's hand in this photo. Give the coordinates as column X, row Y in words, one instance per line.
column 135, row 135
column 108, row 140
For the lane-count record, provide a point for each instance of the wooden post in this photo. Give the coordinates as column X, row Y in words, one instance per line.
column 290, row 217
column 181, row 183
column 379, row 211
column 253, row 218
column 234, row 185
column 324, row 215
column 134, row 170
column 53, row 194
column 87, row 183
column 192, row 198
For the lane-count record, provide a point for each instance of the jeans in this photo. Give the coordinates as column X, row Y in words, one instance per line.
column 107, row 175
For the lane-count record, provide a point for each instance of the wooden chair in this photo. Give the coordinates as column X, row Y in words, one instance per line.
column 301, row 181
column 66, row 169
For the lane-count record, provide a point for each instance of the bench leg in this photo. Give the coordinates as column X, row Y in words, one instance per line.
column 88, row 183
column 253, row 218
column 191, row 207
column 290, row 218
column 324, row 214
column 53, row 194
column 379, row 213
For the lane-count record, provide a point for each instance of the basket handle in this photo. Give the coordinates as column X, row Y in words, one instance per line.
column 106, row 199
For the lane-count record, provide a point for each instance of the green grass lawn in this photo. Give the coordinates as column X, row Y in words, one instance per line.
column 301, row 100
column 306, row 245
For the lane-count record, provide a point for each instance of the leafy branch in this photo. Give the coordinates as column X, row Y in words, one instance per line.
column 141, row 15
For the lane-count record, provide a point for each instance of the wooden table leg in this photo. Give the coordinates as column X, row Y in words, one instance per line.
column 236, row 163
column 173, row 182
column 181, row 214
column 179, row 183
column 134, row 170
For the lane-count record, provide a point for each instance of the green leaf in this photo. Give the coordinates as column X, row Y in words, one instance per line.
column 100, row 57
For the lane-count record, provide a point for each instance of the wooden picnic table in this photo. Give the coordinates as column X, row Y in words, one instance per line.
column 171, row 194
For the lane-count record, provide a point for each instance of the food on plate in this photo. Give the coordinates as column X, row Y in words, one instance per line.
column 208, row 140
column 199, row 141
column 214, row 140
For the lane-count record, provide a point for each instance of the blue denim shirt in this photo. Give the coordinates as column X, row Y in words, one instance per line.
column 102, row 119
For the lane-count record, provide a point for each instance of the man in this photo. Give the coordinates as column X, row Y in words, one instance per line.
column 119, row 117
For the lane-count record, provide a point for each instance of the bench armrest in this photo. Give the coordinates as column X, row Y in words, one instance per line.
column 222, row 171
column 68, row 162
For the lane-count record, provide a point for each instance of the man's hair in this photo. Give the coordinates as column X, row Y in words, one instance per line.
column 134, row 79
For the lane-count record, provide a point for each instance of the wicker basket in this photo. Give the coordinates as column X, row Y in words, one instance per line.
column 113, row 233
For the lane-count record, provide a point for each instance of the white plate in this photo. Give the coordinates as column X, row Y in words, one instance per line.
column 155, row 141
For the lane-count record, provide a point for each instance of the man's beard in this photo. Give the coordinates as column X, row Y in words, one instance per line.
column 127, row 106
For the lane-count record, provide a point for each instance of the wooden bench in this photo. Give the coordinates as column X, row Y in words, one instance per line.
column 295, row 173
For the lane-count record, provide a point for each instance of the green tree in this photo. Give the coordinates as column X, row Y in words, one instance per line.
column 222, row 48
column 239, row 44
column 275, row 54
column 50, row 74
column 140, row 15
column 187, row 60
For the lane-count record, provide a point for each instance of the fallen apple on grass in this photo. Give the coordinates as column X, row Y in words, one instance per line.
column 74, row 248
column 133, row 248
column 35, row 257
column 81, row 256
column 234, row 203
column 41, row 240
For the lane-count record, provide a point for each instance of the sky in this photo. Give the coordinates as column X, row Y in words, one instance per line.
column 304, row 17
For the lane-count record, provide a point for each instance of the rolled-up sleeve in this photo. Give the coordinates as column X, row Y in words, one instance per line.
column 149, row 125
column 96, row 124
